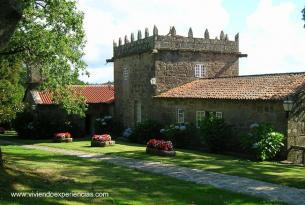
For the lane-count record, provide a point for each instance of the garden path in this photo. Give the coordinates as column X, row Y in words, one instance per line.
column 238, row 184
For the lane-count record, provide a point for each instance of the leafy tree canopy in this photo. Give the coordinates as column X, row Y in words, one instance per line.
column 303, row 11
column 49, row 39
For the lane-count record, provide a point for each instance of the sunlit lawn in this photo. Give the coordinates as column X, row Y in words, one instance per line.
column 266, row 171
column 29, row 170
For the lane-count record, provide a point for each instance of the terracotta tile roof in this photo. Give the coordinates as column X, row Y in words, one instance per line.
column 92, row 93
column 252, row 87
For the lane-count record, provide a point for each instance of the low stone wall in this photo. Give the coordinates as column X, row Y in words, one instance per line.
column 160, row 152
column 102, row 144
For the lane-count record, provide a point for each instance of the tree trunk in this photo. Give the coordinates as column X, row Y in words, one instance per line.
column 10, row 14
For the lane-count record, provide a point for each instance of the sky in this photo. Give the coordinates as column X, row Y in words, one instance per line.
column 271, row 31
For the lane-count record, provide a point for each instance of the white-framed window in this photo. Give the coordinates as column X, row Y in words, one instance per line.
column 125, row 73
column 218, row 115
column 200, row 71
column 180, row 115
column 200, row 115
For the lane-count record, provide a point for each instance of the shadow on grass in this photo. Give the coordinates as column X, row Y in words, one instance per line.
column 38, row 171
column 11, row 136
column 266, row 171
column 10, row 179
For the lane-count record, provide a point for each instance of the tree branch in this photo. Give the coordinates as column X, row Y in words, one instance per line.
column 12, row 52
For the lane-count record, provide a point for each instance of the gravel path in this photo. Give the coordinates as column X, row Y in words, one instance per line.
column 243, row 185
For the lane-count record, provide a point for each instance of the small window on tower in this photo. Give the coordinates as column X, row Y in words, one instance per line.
column 125, row 73
column 199, row 71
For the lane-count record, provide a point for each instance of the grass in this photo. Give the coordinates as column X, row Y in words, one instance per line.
column 28, row 170
column 274, row 172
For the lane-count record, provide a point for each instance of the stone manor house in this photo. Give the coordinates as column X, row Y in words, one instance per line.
column 176, row 79
column 172, row 78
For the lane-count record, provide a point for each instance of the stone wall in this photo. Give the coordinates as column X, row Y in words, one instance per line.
column 296, row 129
column 174, row 68
column 181, row 43
column 136, row 88
column 240, row 114
column 171, row 60
column 175, row 42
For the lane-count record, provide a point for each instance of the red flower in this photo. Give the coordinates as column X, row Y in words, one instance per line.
column 101, row 138
column 68, row 135
column 62, row 135
column 160, row 144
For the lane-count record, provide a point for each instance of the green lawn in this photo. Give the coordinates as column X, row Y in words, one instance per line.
column 29, row 170
column 266, row 171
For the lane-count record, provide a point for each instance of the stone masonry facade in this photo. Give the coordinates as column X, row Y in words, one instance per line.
column 250, row 112
column 169, row 60
column 296, row 129
column 152, row 65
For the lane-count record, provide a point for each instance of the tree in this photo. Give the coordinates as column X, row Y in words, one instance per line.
column 303, row 11
column 49, row 39
column 10, row 15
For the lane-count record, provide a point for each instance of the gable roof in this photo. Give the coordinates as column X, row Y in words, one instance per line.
column 251, row 87
column 92, row 93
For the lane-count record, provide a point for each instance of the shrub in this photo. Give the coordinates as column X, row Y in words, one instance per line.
column 23, row 124
column 144, row 131
column 2, row 130
column 107, row 125
column 73, row 124
column 263, row 141
column 216, row 134
column 62, row 137
column 43, row 124
column 101, row 140
column 160, row 145
column 182, row 135
column 127, row 133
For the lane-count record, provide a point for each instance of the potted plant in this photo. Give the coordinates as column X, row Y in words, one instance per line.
column 62, row 137
column 160, row 147
column 101, row 140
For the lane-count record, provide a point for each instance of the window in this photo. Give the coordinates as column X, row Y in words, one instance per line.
column 199, row 71
column 200, row 115
column 217, row 115
column 125, row 73
column 180, row 116
column 138, row 112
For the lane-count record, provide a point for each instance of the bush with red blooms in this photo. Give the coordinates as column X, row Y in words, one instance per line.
column 160, row 145
column 62, row 137
column 2, row 130
column 101, row 138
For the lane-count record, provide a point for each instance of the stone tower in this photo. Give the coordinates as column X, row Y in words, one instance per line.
column 148, row 66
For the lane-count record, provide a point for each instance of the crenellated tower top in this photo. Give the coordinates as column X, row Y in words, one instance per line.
column 172, row 41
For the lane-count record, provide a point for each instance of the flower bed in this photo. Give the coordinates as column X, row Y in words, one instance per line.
column 2, row 130
column 101, row 140
column 160, row 147
column 62, row 137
